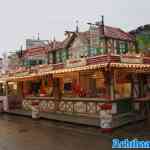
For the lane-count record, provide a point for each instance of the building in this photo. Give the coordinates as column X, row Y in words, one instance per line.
column 35, row 56
column 14, row 61
column 91, row 43
column 142, row 35
column 83, row 72
column 32, row 43
column 99, row 41
column 1, row 65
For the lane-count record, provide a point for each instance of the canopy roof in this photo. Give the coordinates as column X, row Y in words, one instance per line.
column 139, row 68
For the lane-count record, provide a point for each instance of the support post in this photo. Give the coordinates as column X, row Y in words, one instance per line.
column 109, row 74
column 141, row 85
column 5, row 104
column 111, row 85
column 6, row 87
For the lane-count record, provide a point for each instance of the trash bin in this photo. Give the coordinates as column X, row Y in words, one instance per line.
column 106, row 117
column 35, row 110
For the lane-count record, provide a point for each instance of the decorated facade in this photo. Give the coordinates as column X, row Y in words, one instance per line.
column 35, row 56
column 74, row 77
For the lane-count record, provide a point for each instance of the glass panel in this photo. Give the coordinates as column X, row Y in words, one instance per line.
column 83, row 84
column 60, row 56
column 64, row 55
column 50, row 58
column 123, row 84
column 57, row 57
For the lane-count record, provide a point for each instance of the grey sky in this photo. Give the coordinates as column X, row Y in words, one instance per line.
column 21, row 19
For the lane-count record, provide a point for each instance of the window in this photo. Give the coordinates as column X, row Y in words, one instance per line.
column 57, row 57
column 101, row 48
column 93, row 51
column 122, row 47
column 68, row 86
column 64, row 56
column 32, row 62
column 60, row 56
column 50, row 58
column 40, row 62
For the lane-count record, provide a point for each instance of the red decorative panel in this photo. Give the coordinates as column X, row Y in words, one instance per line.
column 114, row 58
column 146, row 60
column 97, row 59
column 103, row 59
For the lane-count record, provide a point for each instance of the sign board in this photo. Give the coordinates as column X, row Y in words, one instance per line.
column 76, row 62
column 131, row 60
column 47, row 68
column 20, row 74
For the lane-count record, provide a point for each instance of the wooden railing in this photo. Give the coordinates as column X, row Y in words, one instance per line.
column 77, row 106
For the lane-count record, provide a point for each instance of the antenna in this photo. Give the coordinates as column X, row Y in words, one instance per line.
column 102, row 19
column 38, row 36
column 102, row 25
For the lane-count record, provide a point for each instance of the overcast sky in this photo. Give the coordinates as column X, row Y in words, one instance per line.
column 21, row 19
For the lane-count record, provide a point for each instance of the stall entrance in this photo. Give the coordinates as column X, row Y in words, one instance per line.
column 123, row 91
column 56, row 89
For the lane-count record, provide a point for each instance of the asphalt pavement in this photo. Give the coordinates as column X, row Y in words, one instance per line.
column 22, row 133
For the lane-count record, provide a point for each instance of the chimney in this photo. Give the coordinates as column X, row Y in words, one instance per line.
column 101, row 26
column 38, row 38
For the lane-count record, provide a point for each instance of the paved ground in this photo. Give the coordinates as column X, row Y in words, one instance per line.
column 20, row 133
column 139, row 130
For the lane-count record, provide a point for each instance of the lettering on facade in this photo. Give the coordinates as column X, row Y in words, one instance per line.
column 44, row 68
column 76, row 62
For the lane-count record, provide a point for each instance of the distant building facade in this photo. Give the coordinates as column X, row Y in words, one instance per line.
column 93, row 42
column 142, row 35
column 13, row 61
column 32, row 43
column 35, row 56
column 1, row 65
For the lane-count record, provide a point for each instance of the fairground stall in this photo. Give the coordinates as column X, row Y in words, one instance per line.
column 74, row 91
column 3, row 94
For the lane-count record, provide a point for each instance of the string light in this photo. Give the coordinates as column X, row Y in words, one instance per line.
column 134, row 67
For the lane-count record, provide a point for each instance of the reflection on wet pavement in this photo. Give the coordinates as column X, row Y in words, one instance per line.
column 139, row 130
column 20, row 133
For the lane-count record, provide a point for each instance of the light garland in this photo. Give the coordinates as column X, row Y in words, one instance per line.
column 135, row 67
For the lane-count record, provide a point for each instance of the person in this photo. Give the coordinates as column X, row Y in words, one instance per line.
column 56, row 92
column 76, row 87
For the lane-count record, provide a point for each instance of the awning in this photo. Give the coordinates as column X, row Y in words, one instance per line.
column 34, row 75
column 131, row 67
column 128, row 67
